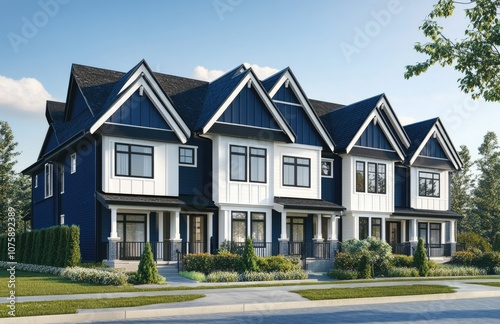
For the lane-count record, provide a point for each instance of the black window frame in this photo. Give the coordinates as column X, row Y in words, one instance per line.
column 360, row 173
column 193, row 156
column 258, row 156
column 376, row 223
column 427, row 181
column 129, row 157
column 245, row 155
column 295, row 165
column 378, row 189
column 124, row 221
column 365, row 227
column 245, row 222
column 255, row 221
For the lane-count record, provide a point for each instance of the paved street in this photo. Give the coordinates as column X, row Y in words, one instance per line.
column 466, row 311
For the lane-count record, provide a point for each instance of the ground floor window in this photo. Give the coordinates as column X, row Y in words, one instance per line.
column 258, row 227
column 363, row 228
column 435, row 233
column 131, row 227
column 295, row 229
column 422, row 231
column 238, row 226
column 377, row 228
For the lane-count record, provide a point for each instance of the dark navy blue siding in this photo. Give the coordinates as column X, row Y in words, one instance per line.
column 183, row 227
column 105, row 223
column 248, row 109
column 153, row 228
column 374, row 137
column 52, row 142
column 308, row 228
column 197, row 180
column 331, row 187
column 44, row 209
column 301, row 124
column 401, row 187
column 139, row 111
column 286, row 94
column 276, row 226
column 433, row 149
column 79, row 105
column 78, row 202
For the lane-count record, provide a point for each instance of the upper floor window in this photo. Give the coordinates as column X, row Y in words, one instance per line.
column 134, row 160
column 61, row 178
column 73, row 163
column 428, row 184
column 240, row 159
column 327, row 168
column 296, row 171
column 49, row 176
column 376, row 178
column 36, row 181
column 187, row 156
column 360, row 176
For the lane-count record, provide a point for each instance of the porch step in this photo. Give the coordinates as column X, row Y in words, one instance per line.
column 441, row 260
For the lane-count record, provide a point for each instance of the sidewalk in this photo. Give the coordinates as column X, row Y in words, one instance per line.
column 243, row 299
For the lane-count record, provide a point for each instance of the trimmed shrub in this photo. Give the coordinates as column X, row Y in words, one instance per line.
column 276, row 263
column 61, row 248
column 420, row 259
column 379, row 253
column 20, row 242
column 496, row 242
column 94, row 276
column 147, row 272
column 73, row 247
column 47, row 253
column 39, row 246
column 199, row 262
column 402, row 261
column 489, row 261
column 466, row 258
column 34, row 248
column 364, row 268
column 402, row 272
column 342, row 274
column 222, row 276
column 473, row 240
column 344, row 261
column 226, row 262
column 451, row 271
column 3, row 247
column 28, row 246
column 249, row 256
column 53, row 246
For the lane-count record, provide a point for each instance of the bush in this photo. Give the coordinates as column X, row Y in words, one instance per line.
column 73, row 247
column 402, row 272
column 28, row 247
column 466, row 258
column 53, row 245
column 276, row 263
column 364, row 268
column 222, row 276
column 95, row 276
column 147, row 272
column 496, row 242
column 344, row 261
column 473, row 240
column 489, row 261
column 420, row 259
column 226, row 262
column 451, row 271
column 379, row 253
column 20, row 242
column 34, row 247
column 402, row 261
column 61, row 248
column 342, row 274
column 249, row 256
column 199, row 262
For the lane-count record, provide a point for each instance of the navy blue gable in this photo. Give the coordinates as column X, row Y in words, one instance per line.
column 248, row 109
column 297, row 118
column 286, row 94
column 433, row 149
column 374, row 137
column 139, row 111
column 52, row 142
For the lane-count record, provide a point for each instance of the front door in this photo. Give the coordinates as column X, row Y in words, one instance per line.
column 295, row 232
column 197, row 233
column 393, row 233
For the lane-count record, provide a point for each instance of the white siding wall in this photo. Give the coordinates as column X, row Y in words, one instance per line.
column 364, row 201
column 165, row 163
column 437, row 203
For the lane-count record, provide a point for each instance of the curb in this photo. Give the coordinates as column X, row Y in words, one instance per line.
column 131, row 313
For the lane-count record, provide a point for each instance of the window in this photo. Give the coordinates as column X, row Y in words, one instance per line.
column 363, row 228
column 49, row 169
column 428, row 184
column 257, row 165
column 422, row 231
column 73, row 163
column 134, row 161
column 296, row 171
column 238, row 227
column 376, row 178
column 131, row 228
column 327, row 168
column 238, row 163
column 36, row 181
column 435, row 233
column 377, row 228
column 360, row 176
column 61, row 219
column 257, row 228
column 61, row 178
column 187, row 156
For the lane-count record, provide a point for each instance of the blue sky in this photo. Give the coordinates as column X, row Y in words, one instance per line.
column 340, row 51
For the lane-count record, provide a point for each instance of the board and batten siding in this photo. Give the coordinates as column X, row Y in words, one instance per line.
column 433, row 203
column 165, row 181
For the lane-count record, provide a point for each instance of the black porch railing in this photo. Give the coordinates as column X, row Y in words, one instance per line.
column 309, row 249
column 262, row 249
column 133, row 250
column 401, row 248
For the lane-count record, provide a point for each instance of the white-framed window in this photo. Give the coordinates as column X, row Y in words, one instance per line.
column 61, row 219
column 187, row 156
column 73, row 163
column 49, row 176
column 36, row 181
column 327, row 168
column 61, row 178
column 133, row 160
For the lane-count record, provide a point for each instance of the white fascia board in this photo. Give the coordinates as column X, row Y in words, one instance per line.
column 143, row 208
column 262, row 94
column 442, row 142
column 305, row 104
column 385, row 129
column 143, row 72
column 160, row 106
column 394, row 120
column 448, row 144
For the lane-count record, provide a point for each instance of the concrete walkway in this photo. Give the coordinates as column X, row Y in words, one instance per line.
column 243, row 299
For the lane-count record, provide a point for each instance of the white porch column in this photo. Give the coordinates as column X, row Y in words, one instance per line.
column 319, row 235
column 413, row 231
column 160, row 226
column 333, row 226
column 175, row 232
column 452, row 231
column 113, row 233
column 113, row 237
column 382, row 229
column 210, row 217
column 283, row 226
column 224, row 226
column 148, row 221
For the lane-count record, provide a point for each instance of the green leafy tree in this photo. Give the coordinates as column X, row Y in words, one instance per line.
column 487, row 192
column 474, row 241
column 476, row 55
column 21, row 200
column 147, row 272
column 496, row 242
column 364, row 268
column 420, row 259
column 249, row 256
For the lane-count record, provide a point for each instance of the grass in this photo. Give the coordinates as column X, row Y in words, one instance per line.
column 71, row 306
column 366, row 292
column 492, row 284
column 193, row 275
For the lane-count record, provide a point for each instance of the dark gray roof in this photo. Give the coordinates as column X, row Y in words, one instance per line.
column 417, row 133
column 55, row 111
column 307, row 204
column 399, row 211
column 323, row 107
column 183, row 201
column 271, row 81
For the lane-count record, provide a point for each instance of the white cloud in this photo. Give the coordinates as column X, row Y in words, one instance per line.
column 202, row 73
column 24, row 95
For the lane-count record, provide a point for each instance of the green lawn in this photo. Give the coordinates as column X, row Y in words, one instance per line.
column 71, row 306
column 364, row 292
column 492, row 284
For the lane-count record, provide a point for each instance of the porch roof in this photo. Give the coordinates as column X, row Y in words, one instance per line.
column 307, row 204
column 400, row 211
column 188, row 202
